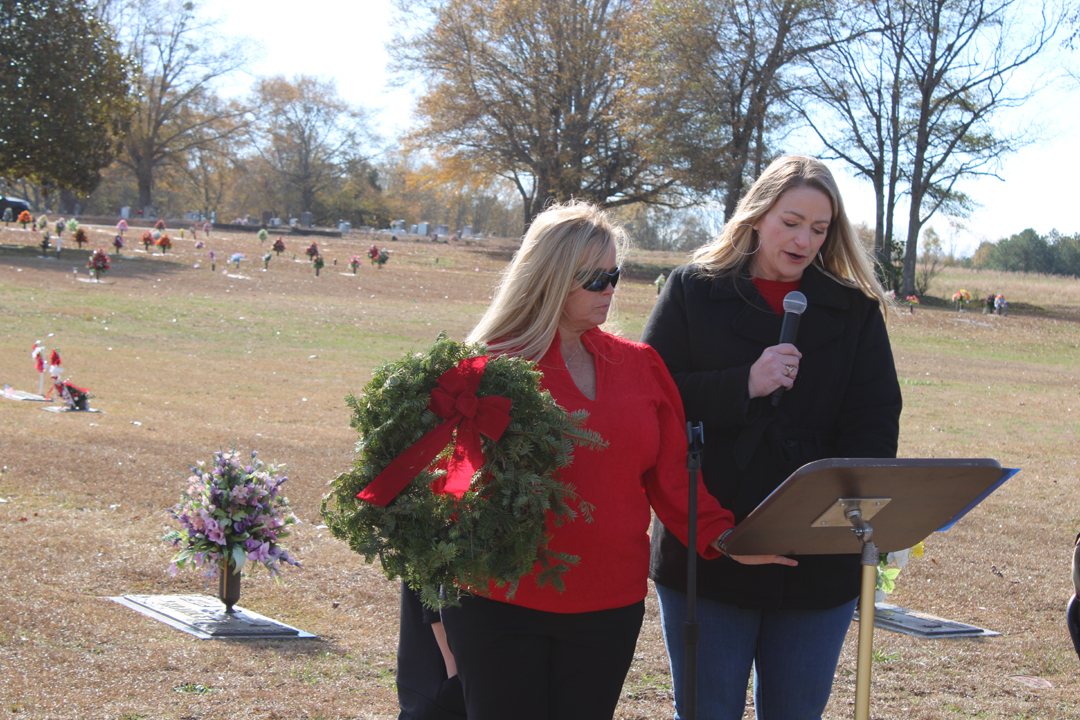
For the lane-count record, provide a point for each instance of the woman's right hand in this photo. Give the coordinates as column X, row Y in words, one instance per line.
column 777, row 367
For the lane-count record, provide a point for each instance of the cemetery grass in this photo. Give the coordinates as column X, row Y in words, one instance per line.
column 184, row 361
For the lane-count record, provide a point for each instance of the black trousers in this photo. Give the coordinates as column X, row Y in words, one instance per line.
column 523, row 664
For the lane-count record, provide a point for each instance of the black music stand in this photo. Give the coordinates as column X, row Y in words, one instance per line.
column 825, row 508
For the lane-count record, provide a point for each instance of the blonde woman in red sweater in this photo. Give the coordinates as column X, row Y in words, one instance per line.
column 542, row 654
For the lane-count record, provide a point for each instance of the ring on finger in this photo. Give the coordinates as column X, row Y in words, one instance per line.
column 789, row 369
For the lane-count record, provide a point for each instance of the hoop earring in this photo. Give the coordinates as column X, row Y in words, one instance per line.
column 752, row 230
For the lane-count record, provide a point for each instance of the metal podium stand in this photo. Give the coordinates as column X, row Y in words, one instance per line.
column 866, row 506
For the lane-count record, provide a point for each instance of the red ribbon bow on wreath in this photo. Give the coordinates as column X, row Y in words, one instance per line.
column 454, row 399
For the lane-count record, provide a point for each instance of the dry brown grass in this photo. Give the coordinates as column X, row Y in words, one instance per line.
column 184, row 361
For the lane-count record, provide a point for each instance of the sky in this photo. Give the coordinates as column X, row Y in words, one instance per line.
column 345, row 42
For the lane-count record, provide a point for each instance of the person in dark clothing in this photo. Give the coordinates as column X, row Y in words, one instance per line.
column 427, row 683
column 716, row 326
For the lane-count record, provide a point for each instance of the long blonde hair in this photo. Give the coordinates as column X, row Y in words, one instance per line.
column 842, row 256
column 563, row 243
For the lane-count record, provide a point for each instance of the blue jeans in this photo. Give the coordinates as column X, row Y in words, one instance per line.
column 793, row 653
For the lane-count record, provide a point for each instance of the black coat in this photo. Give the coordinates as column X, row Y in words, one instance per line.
column 845, row 403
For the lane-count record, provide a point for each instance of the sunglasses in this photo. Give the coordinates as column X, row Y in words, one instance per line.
column 598, row 280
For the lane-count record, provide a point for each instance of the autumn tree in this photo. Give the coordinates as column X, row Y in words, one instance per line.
column 714, row 73
column 180, row 56
column 64, row 94
column 450, row 194
column 534, row 91
column 309, row 137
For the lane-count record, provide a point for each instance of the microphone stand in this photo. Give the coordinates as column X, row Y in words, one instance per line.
column 691, row 631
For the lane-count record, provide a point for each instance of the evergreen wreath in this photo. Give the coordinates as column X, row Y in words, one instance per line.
column 497, row 531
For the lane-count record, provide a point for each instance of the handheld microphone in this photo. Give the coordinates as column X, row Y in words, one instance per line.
column 794, row 305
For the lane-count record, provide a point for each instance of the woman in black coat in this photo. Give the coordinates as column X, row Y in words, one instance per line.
column 716, row 326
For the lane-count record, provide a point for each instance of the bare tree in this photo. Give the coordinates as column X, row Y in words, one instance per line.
column 180, row 55
column 717, row 71
column 916, row 103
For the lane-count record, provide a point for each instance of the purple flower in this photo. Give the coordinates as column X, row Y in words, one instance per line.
column 260, row 553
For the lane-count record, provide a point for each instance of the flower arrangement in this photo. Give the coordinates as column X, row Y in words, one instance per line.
column 480, row 509
column 121, row 226
column 164, row 242
column 961, row 297
column 118, row 242
column 886, row 575
column 279, row 246
column 312, row 251
column 235, row 258
column 42, row 223
column 159, row 225
column 147, row 240
column 45, row 242
column 60, row 227
column 232, row 513
column 318, row 263
column 80, row 236
column 199, row 244
column 912, row 301
column 72, row 225
column 24, row 219
column 384, row 255
column 263, row 235
column 98, row 262
column 354, row 263
column 266, row 260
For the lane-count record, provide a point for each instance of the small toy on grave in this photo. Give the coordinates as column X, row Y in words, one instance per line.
column 74, row 397
column 38, row 356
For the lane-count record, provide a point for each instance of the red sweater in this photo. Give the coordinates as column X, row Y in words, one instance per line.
column 639, row 413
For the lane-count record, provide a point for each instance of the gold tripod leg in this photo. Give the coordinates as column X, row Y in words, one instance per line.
column 866, row 642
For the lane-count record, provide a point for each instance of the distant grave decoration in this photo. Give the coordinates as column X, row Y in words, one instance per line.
column 267, row 257
column 232, row 515
column 456, row 475
column 121, row 227
column 72, row 225
column 279, row 246
column 164, row 242
column 80, row 236
column 889, row 567
column 147, row 240
column 118, row 243
column 354, row 263
column 263, row 235
column 98, row 263
column 318, row 263
column 25, row 219
column 312, row 251
column 159, row 225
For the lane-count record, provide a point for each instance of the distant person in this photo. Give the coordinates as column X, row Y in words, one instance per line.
column 716, row 326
